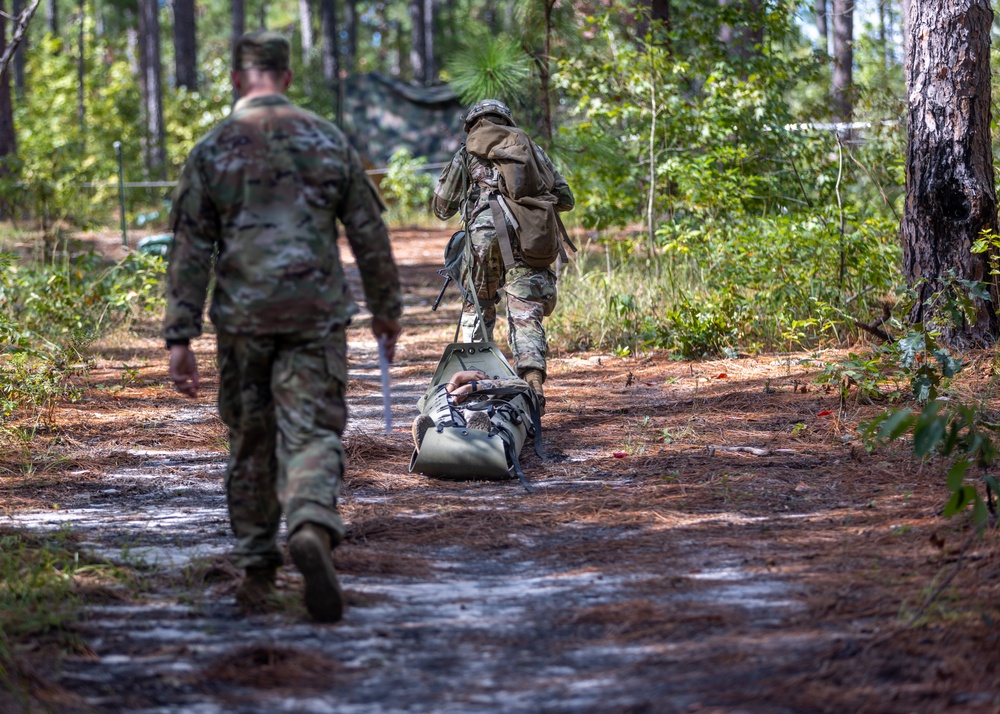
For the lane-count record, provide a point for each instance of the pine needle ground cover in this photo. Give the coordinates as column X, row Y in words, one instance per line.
column 706, row 535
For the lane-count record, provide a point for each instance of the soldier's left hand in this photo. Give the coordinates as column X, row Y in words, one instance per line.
column 184, row 370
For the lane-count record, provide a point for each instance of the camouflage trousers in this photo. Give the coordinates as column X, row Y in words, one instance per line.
column 282, row 397
column 531, row 295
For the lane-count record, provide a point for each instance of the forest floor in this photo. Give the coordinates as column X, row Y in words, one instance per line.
column 654, row 569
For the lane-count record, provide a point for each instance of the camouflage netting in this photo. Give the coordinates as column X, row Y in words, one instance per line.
column 383, row 115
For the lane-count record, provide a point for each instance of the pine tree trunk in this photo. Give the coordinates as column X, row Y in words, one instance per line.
column 950, row 195
column 821, row 27
column 151, row 86
column 904, row 6
column 660, row 11
column 842, row 87
column 8, row 139
column 81, row 72
column 331, row 50
column 430, row 70
column 239, row 20
column 18, row 6
column 306, row 30
column 237, row 28
column 185, row 45
column 351, row 19
column 52, row 17
column 544, row 73
column 744, row 40
column 418, row 46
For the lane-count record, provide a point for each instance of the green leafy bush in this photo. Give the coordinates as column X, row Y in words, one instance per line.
column 961, row 434
column 406, row 186
column 50, row 313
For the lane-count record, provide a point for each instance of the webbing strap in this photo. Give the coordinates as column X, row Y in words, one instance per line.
column 503, row 236
column 480, row 325
column 565, row 237
column 515, row 466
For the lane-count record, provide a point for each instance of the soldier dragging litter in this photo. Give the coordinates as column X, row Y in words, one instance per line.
column 263, row 190
column 509, row 194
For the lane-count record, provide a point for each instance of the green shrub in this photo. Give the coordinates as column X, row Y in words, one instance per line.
column 406, row 186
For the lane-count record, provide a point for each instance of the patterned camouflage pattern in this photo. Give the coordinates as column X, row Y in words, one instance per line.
column 383, row 115
column 464, row 186
column 282, row 398
column 264, row 190
column 262, row 193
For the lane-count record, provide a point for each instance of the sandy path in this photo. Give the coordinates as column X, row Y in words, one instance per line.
column 674, row 579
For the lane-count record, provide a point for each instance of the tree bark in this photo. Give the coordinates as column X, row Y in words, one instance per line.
column 238, row 27
column 151, row 86
column 544, row 73
column 331, row 49
column 239, row 20
column 950, row 195
column 418, row 47
column 842, row 87
column 8, row 139
column 81, row 71
column 904, row 7
column 821, row 27
column 351, row 19
column 18, row 7
column 185, row 45
column 430, row 70
column 52, row 17
column 306, row 30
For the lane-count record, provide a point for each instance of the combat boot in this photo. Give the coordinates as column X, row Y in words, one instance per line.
column 256, row 593
column 310, row 549
column 535, row 378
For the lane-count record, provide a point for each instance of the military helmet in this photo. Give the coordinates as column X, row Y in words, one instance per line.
column 487, row 107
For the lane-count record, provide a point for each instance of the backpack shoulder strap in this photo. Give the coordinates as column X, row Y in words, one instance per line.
column 503, row 235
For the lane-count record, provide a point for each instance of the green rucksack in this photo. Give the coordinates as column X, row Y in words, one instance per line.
column 525, row 194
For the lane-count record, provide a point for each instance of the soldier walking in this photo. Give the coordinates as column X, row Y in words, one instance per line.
column 262, row 192
column 471, row 183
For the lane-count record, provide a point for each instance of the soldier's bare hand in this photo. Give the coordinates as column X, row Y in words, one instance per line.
column 184, row 370
column 387, row 332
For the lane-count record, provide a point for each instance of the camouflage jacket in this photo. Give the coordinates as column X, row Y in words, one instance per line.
column 466, row 183
column 261, row 193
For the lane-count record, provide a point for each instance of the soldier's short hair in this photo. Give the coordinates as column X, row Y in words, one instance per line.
column 262, row 49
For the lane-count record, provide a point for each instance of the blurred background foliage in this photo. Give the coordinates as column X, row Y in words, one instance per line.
column 719, row 209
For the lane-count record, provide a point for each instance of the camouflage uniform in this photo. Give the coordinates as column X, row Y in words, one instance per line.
column 261, row 192
column 465, row 185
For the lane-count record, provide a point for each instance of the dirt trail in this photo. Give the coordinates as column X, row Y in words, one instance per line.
column 655, row 569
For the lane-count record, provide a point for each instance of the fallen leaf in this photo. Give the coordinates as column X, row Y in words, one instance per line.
column 723, row 376
column 825, row 412
column 620, row 454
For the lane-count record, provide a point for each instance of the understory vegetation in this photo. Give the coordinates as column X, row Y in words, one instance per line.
column 51, row 309
column 43, row 582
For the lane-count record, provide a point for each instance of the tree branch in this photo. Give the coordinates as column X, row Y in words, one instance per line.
column 19, row 31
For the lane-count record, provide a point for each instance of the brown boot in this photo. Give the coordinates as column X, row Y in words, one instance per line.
column 310, row 549
column 256, row 593
column 535, row 378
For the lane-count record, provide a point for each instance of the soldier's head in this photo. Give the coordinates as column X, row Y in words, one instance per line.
column 261, row 63
column 492, row 109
